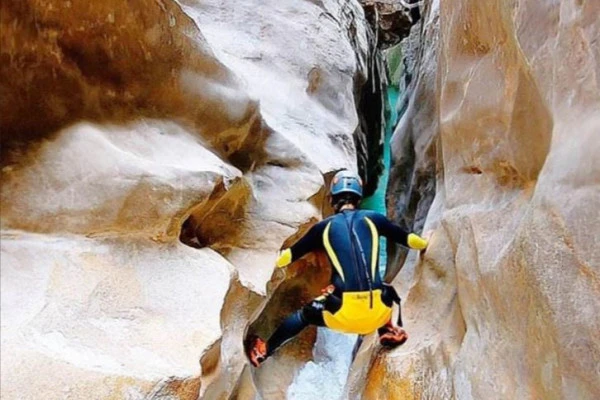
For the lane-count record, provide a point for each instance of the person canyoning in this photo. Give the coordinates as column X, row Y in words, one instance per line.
column 357, row 300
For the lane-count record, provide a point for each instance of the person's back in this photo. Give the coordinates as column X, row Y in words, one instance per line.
column 357, row 301
column 352, row 244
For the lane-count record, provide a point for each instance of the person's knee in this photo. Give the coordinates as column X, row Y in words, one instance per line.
column 389, row 296
column 313, row 313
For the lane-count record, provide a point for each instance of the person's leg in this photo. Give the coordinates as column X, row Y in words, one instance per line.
column 292, row 325
column 357, row 345
column 389, row 334
column 311, row 314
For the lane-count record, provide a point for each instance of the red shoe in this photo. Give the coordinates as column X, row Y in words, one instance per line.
column 392, row 336
column 257, row 351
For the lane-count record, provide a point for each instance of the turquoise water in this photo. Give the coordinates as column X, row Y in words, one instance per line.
column 376, row 202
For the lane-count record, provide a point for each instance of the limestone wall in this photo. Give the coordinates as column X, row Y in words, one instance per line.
column 505, row 303
column 155, row 155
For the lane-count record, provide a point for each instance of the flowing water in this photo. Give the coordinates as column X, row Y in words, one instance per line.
column 327, row 374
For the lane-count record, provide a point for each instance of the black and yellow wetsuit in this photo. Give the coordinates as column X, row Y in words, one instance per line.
column 361, row 302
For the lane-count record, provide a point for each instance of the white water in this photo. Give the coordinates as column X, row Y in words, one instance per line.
column 327, row 374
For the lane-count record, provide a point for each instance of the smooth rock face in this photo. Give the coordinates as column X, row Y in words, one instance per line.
column 505, row 303
column 97, row 179
column 64, row 61
column 77, row 312
column 294, row 59
column 125, row 130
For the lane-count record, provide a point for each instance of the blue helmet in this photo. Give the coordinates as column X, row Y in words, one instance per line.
column 346, row 182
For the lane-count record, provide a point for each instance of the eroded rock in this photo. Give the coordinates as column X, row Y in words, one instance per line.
column 224, row 367
column 218, row 222
column 66, row 61
column 392, row 18
column 144, row 123
column 78, row 312
column 102, row 179
column 514, row 258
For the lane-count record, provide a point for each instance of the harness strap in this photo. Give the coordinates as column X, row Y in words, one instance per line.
column 399, row 323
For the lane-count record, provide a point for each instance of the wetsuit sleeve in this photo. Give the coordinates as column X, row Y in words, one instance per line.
column 394, row 232
column 312, row 240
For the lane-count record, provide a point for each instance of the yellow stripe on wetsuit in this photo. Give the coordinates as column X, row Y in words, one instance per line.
column 331, row 252
column 374, row 247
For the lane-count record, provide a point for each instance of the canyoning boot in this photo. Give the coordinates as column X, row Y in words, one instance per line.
column 392, row 336
column 257, row 351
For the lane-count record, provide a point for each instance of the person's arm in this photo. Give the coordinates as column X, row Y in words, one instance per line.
column 312, row 240
column 394, row 232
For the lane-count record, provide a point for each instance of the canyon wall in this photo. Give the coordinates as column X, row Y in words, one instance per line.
column 498, row 155
column 155, row 156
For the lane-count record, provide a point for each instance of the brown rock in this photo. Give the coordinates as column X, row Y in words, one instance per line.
column 392, row 18
column 65, row 61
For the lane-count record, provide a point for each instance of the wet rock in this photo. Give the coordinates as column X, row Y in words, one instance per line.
column 414, row 144
column 369, row 136
column 303, row 282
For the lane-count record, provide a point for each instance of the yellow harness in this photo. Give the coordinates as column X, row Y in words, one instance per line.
column 356, row 314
